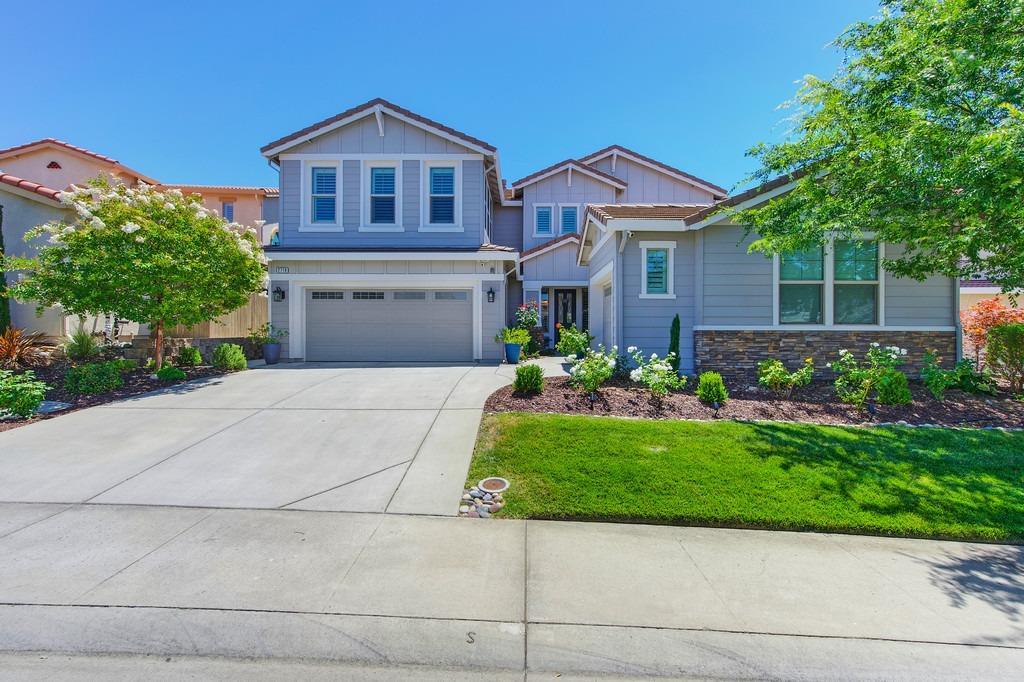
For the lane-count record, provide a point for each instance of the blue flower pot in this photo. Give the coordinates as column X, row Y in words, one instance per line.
column 272, row 353
column 512, row 351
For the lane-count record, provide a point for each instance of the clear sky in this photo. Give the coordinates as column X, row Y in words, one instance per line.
column 189, row 91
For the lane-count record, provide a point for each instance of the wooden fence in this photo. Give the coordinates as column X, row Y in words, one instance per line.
column 235, row 324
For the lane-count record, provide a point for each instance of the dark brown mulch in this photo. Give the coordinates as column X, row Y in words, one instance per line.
column 136, row 382
column 816, row 403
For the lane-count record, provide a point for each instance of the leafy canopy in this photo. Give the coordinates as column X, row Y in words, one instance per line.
column 141, row 255
column 919, row 138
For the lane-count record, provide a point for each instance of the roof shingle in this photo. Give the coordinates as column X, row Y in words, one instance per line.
column 29, row 186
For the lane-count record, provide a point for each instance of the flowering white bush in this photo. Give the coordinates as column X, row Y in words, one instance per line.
column 590, row 370
column 881, row 376
column 657, row 374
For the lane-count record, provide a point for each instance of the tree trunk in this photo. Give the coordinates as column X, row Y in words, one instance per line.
column 159, row 336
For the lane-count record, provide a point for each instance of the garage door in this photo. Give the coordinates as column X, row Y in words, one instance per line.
column 389, row 325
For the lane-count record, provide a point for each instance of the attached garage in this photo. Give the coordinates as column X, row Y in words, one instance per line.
column 390, row 325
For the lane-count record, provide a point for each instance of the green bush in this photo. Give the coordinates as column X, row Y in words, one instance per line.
column 893, row 388
column 963, row 376
column 124, row 364
column 657, row 374
column 20, row 394
column 170, row 373
column 229, row 356
column 711, row 388
column 529, row 379
column 772, row 374
column 513, row 335
column 81, row 345
column 573, row 342
column 856, row 383
column 95, row 377
column 673, row 343
column 1006, row 353
column 592, row 369
column 189, row 356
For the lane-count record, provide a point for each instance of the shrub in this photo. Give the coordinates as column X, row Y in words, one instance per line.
column 513, row 335
column 124, row 364
column 266, row 334
column 1006, row 353
column 81, row 345
column 981, row 317
column 95, row 377
column 20, row 394
column 657, row 374
column 189, row 356
column 590, row 370
column 573, row 341
column 20, row 349
column 711, row 388
column 170, row 373
column 673, row 342
column 772, row 375
column 229, row 356
column 528, row 315
column 963, row 376
column 856, row 384
column 529, row 379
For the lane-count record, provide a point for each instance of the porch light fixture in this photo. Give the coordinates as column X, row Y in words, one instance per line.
column 279, row 294
column 490, row 295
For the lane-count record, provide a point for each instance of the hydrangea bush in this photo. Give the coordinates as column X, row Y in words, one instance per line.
column 879, row 376
column 657, row 374
column 773, row 375
column 591, row 369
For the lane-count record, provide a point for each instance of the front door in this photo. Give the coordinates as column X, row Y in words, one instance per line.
column 565, row 309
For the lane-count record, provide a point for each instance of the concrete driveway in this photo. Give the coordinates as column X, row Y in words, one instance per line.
column 329, row 437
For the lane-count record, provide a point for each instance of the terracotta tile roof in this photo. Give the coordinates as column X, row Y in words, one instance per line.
column 29, row 186
column 497, row 247
column 655, row 162
column 21, row 148
column 605, row 212
column 369, row 105
column 567, row 163
column 220, row 188
column 736, row 199
column 551, row 242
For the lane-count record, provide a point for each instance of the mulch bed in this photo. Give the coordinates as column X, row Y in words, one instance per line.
column 816, row 404
column 136, row 382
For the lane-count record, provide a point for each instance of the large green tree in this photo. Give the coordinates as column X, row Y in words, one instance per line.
column 141, row 255
column 919, row 138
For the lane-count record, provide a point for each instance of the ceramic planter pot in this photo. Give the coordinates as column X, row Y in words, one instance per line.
column 512, row 351
column 272, row 353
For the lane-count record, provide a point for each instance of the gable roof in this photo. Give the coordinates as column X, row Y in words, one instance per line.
column 564, row 165
column 605, row 212
column 754, row 195
column 29, row 186
column 365, row 109
column 65, row 146
column 657, row 165
column 548, row 245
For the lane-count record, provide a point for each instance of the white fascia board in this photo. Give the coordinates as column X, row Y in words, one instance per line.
column 728, row 212
column 541, row 283
column 550, row 247
column 647, row 225
column 682, row 178
column 580, row 168
column 393, row 255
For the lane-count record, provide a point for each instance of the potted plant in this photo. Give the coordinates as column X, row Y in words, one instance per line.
column 269, row 337
column 513, row 338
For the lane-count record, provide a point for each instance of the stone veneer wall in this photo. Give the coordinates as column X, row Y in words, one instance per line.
column 735, row 353
column 142, row 347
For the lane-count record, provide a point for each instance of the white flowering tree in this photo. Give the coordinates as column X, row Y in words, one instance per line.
column 143, row 255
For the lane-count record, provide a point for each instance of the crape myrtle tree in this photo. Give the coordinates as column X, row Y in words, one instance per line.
column 918, row 138
column 144, row 255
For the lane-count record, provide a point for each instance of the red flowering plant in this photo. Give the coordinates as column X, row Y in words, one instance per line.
column 981, row 317
column 528, row 315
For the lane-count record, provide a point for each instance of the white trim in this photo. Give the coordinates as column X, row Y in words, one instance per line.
column 618, row 184
column 730, row 211
column 380, row 120
column 576, row 229
column 306, row 197
column 425, row 225
column 616, row 153
column 543, row 283
column 383, row 156
column 365, row 190
column 372, row 111
column 817, row 327
column 550, row 247
column 392, row 255
column 670, row 246
column 551, row 234
column 605, row 273
column 647, row 224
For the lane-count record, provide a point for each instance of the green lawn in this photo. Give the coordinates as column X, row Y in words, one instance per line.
column 891, row 481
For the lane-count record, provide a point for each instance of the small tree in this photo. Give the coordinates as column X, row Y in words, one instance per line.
column 142, row 255
column 673, row 343
column 981, row 317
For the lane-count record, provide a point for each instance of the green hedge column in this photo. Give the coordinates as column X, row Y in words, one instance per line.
column 673, row 341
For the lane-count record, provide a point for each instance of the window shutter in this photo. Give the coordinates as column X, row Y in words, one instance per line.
column 657, row 271
column 442, row 210
column 543, row 219
column 325, row 180
column 442, row 180
column 228, row 211
column 568, row 219
column 382, row 180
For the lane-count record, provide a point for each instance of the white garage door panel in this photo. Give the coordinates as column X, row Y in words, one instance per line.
column 341, row 327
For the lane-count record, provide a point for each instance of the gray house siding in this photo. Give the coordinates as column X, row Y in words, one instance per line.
column 645, row 185
column 351, row 188
column 910, row 303
column 271, row 209
column 279, row 313
column 508, row 226
column 737, row 286
column 646, row 321
column 492, row 318
column 363, row 137
column 556, row 190
column 558, row 265
column 410, row 193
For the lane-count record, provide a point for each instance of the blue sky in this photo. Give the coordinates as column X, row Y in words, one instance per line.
column 189, row 94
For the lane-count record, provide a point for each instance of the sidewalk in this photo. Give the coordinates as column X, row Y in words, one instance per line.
column 502, row 595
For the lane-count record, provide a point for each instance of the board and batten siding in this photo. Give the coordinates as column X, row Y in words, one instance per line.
column 557, row 265
column 737, row 286
column 507, row 226
column 556, row 190
column 646, row 321
column 279, row 313
column 492, row 319
column 645, row 185
column 363, row 137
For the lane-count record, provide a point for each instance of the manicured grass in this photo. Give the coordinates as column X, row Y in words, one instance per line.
column 944, row 483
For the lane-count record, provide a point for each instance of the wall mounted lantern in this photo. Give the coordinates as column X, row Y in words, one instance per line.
column 490, row 295
column 279, row 294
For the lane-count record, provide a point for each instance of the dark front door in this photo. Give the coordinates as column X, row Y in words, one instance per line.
column 565, row 309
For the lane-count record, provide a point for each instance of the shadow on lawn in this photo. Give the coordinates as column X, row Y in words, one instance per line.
column 947, row 478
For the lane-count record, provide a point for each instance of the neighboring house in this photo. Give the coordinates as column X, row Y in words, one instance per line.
column 250, row 206
column 979, row 288
column 57, row 164
column 398, row 240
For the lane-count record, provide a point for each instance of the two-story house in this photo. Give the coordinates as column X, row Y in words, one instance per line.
column 398, row 240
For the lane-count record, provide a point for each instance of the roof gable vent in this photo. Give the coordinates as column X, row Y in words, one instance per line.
column 53, row 165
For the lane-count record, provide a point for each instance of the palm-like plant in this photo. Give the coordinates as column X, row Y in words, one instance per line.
column 19, row 349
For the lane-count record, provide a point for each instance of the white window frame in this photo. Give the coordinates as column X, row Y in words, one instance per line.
column 554, row 220
column 823, row 283
column 560, row 207
column 425, row 224
column 306, row 223
column 670, row 246
column 364, row 222
column 828, row 294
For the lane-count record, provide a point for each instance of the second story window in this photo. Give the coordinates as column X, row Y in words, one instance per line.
column 227, row 209
column 324, row 201
column 568, row 217
column 542, row 222
column 382, row 196
column 442, row 195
